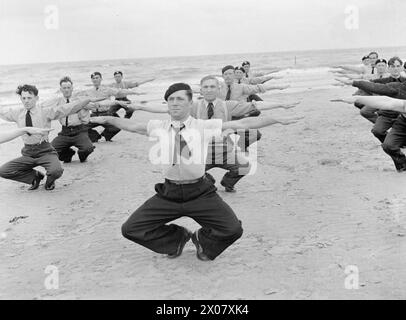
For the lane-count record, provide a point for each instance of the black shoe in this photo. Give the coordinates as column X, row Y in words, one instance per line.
column 186, row 237
column 402, row 169
column 50, row 186
column 229, row 189
column 36, row 181
column 199, row 250
column 83, row 157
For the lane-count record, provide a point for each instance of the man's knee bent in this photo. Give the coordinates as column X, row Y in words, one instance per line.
column 389, row 147
column 5, row 173
column 55, row 172
column 235, row 232
column 130, row 233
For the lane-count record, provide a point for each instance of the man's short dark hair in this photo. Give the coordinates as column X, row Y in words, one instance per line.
column 246, row 63
column 118, row 72
column 229, row 67
column 365, row 58
column 97, row 73
column 239, row 68
column 381, row 61
column 392, row 61
column 27, row 88
column 65, row 79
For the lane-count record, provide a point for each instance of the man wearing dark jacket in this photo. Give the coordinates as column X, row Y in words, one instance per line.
column 393, row 86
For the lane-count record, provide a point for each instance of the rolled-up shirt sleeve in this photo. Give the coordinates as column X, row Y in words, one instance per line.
column 56, row 112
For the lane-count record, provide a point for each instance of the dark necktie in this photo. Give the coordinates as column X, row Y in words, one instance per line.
column 239, row 81
column 373, row 70
column 28, row 119
column 228, row 96
column 210, row 110
column 66, row 121
column 181, row 147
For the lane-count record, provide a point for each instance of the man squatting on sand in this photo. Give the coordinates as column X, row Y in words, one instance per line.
column 186, row 191
column 397, row 136
column 37, row 150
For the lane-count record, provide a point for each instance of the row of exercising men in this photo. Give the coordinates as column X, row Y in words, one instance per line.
column 187, row 190
column 389, row 126
column 76, row 131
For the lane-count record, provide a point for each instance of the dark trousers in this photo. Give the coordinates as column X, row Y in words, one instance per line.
column 233, row 163
column 396, row 139
column 109, row 130
column 248, row 137
column 73, row 137
column 117, row 107
column 381, row 127
column 22, row 169
column 148, row 226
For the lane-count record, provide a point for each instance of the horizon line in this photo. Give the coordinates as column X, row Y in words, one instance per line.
column 197, row 55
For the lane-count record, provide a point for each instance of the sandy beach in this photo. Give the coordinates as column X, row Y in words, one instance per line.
column 325, row 197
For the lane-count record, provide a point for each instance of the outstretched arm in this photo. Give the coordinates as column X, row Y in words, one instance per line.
column 377, row 102
column 124, row 124
column 57, row 112
column 135, row 84
column 8, row 136
column 256, row 123
column 356, row 69
column 128, row 92
column 270, row 86
column 266, row 105
column 152, row 109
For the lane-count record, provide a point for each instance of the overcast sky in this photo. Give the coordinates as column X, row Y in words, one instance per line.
column 110, row 29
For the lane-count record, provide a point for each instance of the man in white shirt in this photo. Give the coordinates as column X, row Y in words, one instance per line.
column 74, row 128
column 37, row 150
column 125, row 84
column 183, row 145
column 105, row 107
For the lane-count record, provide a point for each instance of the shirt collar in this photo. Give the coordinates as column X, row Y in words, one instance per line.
column 206, row 103
column 177, row 124
column 33, row 110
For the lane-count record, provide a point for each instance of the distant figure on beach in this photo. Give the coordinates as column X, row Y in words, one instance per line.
column 249, row 74
column 125, row 84
column 393, row 86
column 381, row 72
column 230, row 90
column 11, row 135
column 366, row 71
column 221, row 152
column 37, row 150
column 240, row 77
column 74, row 128
column 186, row 191
column 396, row 138
column 104, row 108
